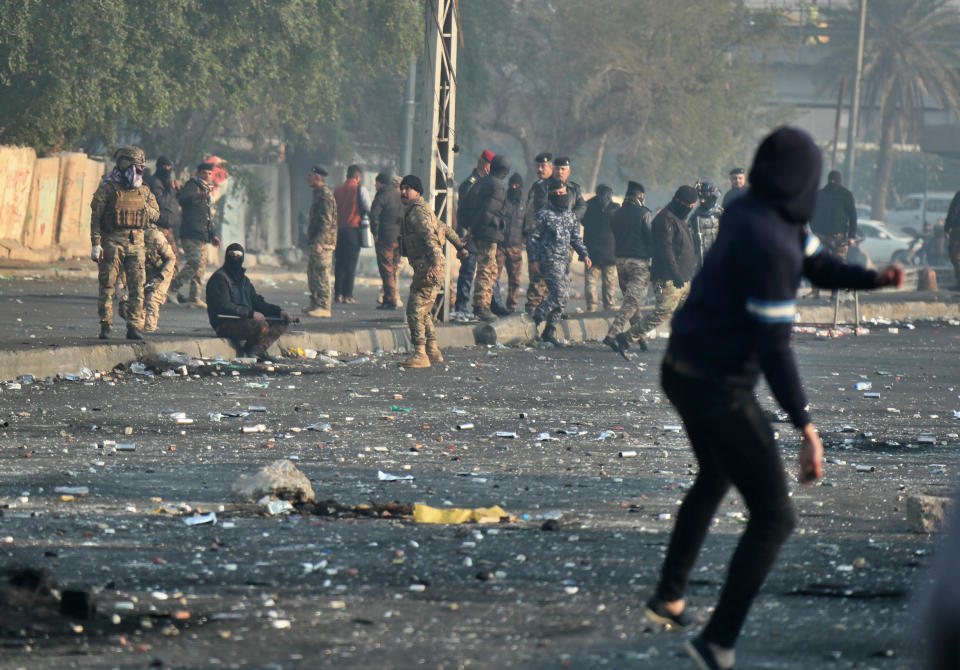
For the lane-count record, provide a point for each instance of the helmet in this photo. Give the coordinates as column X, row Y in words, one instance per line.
column 127, row 156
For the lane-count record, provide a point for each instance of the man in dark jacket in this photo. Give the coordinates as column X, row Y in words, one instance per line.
column 238, row 313
column 632, row 245
column 385, row 214
column 674, row 262
column 561, row 170
column 510, row 251
column 835, row 218
column 167, row 189
column 196, row 231
column 738, row 186
column 737, row 323
column 951, row 229
column 598, row 237
column 486, row 202
column 468, row 266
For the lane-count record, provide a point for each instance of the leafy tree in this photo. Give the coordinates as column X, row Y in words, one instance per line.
column 176, row 75
column 911, row 53
column 663, row 82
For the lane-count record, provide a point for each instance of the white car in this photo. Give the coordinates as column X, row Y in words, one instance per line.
column 879, row 242
column 916, row 209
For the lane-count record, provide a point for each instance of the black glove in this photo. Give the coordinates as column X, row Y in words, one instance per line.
column 677, row 283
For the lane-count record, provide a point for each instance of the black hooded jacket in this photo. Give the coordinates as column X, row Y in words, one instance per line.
column 631, row 230
column 597, row 233
column 229, row 292
column 738, row 318
column 835, row 212
column 486, row 201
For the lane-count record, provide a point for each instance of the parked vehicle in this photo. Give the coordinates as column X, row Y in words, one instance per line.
column 917, row 209
column 880, row 244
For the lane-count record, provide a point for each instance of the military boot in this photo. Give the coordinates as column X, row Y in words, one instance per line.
column 419, row 358
column 550, row 335
column 133, row 333
column 319, row 312
column 433, row 352
column 623, row 345
column 484, row 314
column 104, row 331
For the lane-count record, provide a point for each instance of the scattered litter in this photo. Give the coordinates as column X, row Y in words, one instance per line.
column 72, row 490
column 863, row 386
column 395, row 408
column 259, row 428
column 510, row 435
column 199, row 519
column 464, row 426
column 387, row 477
column 605, row 435
column 872, row 394
column 546, row 437
column 126, row 446
column 257, row 385
column 627, row 454
column 673, row 428
column 865, row 468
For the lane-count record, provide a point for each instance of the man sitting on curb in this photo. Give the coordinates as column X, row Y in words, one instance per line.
column 237, row 312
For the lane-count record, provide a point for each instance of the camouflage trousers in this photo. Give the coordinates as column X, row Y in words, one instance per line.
column 486, row 274
column 194, row 265
column 668, row 298
column 122, row 252
column 536, row 289
column 154, row 295
column 557, row 280
column 172, row 240
column 634, row 275
column 319, row 267
column 388, row 262
column 607, row 276
column 512, row 259
column 423, row 295
column 953, row 249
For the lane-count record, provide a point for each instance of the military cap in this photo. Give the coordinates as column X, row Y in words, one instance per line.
column 317, row 169
column 413, row 182
column 635, row 187
column 561, row 161
column 545, row 157
column 736, row 171
column 130, row 155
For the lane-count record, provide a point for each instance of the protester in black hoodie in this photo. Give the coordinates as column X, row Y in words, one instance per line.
column 735, row 324
column 598, row 236
column 237, row 312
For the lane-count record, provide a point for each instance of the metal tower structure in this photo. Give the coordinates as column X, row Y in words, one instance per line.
column 440, row 97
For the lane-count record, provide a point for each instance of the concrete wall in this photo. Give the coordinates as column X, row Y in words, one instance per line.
column 45, row 204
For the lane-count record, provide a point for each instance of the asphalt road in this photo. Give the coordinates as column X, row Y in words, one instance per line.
column 306, row 591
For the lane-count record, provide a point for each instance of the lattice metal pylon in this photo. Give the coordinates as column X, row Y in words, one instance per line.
column 440, row 88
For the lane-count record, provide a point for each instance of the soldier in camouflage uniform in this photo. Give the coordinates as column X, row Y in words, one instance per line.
column 536, row 199
column 322, row 236
column 121, row 209
column 422, row 240
column 160, row 263
column 549, row 246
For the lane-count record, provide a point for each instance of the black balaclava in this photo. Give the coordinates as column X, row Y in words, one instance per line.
column 164, row 170
column 560, row 201
column 233, row 260
column 516, row 187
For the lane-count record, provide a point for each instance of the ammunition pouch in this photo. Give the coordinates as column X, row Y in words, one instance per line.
column 130, row 210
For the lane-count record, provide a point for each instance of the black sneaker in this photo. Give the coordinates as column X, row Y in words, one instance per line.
column 657, row 613
column 699, row 651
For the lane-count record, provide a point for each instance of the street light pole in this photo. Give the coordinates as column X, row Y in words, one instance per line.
column 855, row 103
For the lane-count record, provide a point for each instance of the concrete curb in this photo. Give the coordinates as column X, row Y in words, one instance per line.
column 510, row 331
column 42, row 363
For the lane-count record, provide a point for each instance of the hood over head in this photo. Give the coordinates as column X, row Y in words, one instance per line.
column 500, row 166
column 786, row 173
column 233, row 258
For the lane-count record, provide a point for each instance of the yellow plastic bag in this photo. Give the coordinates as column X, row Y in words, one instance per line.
column 427, row 514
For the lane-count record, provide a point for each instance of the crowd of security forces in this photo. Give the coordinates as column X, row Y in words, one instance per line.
column 623, row 245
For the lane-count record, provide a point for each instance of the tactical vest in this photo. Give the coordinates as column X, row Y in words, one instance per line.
column 130, row 210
